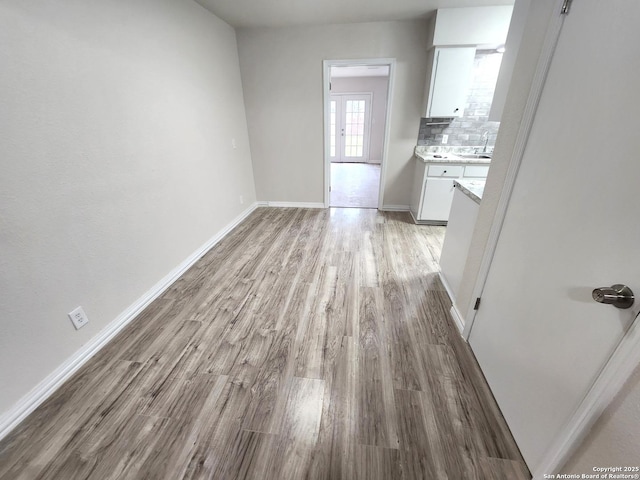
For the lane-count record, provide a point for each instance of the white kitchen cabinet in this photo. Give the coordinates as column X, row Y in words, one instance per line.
column 437, row 198
column 450, row 78
column 433, row 188
column 451, row 171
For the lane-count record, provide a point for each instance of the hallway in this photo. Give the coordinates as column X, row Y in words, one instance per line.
column 306, row 344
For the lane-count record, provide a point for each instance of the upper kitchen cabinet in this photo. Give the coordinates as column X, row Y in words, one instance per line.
column 471, row 26
column 456, row 33
column 450, row 80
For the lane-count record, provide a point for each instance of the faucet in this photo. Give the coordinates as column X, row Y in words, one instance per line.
column 485, row 137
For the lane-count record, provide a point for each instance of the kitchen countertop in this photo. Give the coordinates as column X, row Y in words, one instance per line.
column 449, row 157
column 471, row 188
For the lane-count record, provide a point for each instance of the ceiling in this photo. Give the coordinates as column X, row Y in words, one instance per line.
column 281, row 13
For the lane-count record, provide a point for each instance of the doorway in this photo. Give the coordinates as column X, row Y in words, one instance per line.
column 350, row 127
column 356, row 105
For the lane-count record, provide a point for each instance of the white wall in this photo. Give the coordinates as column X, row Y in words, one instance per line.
column 614, row 440
column 532, row 40
column 282, row 80
column 116, row 161
column 512, row 46
column 378, row 87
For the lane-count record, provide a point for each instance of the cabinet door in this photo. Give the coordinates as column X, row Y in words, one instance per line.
column 436, row 203
column 453, row 68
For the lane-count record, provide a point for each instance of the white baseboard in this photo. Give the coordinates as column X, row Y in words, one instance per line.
column 447, row 287
column 395, row 208
column 455, row 313
column 296, row 204
column 427, row 222
column 27, row 404
column 457, row 318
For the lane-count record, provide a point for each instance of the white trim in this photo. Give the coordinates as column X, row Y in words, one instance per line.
column 27, row 404
column 326, row 95
column 540, row 76
column 296, row 204
column 457, row 318
column 455, row 313
column 395, row 208
column 435, row 223
column 326, row 108
column 387, row 131
column 615, row 373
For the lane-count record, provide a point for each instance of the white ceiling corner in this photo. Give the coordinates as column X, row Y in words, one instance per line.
column 287, row 13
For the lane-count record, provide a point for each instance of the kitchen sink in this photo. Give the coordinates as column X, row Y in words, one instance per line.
column 474, row 155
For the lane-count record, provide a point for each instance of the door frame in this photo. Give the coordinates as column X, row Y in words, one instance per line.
column 626, row 356
column 326, row 98
column 367, row 125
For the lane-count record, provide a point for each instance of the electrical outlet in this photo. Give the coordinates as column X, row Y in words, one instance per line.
column 445, row 139
column 241, row 200
column 79, row 318
column 233, row 143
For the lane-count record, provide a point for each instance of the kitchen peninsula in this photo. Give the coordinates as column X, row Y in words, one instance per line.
column 462, row 220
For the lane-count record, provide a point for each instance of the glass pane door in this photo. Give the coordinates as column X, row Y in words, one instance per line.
column 349, row 126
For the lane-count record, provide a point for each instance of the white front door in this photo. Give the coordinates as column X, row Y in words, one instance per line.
column 572, row 225
column 350, row 127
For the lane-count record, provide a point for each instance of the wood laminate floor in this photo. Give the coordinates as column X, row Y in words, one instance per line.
column 308, row 344
column 354, row 185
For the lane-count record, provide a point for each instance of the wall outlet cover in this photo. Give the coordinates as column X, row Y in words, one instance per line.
column 79, row 318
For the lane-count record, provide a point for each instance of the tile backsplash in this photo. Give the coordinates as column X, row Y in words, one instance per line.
column 473, row 127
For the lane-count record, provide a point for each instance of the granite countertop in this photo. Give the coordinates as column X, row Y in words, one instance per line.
column 446, row 155
column 471, row 188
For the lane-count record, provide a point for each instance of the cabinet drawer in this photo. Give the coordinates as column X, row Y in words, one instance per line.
column 480, row 171
column 445, row 171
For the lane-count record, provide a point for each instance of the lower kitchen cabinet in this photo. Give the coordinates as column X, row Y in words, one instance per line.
column 433, row 189
column 436, row 200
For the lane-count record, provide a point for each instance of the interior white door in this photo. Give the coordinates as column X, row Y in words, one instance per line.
column 350, row 127
column 572, row 225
